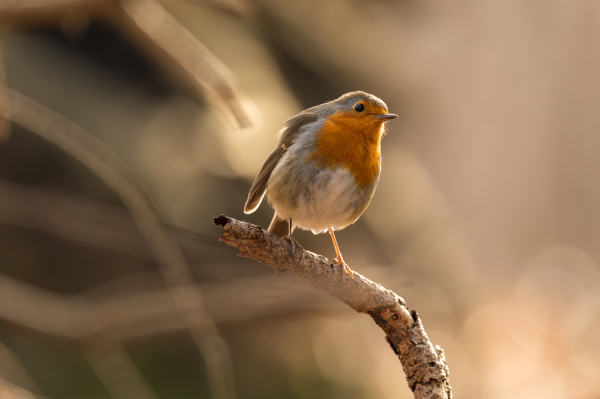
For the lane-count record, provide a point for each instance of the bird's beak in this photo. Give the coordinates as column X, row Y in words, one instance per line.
column 387, row 117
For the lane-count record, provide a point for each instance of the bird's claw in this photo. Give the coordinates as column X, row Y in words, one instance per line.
column 292, row 241
column 345, row 266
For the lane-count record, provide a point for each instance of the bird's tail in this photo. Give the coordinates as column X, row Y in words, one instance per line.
column 279, row 227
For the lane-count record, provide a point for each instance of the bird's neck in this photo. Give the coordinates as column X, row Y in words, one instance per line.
column 353, row 143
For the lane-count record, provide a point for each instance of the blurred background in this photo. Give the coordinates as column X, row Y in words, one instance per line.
column 486, row 218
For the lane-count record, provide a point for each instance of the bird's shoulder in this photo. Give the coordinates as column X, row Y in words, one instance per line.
column 293, row 127
column 288, row 134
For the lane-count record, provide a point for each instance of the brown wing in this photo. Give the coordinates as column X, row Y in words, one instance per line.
column 288, row 134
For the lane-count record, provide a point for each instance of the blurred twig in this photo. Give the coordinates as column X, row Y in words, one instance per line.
column 11, row 391
column 80, row 219
column 92, row 222
column 425, row 367
column 155, row 31
column 171, row 41
column 84, row 147
column 237, row 6
column 4, row 106
column 150, row 311
column 42, row 310
column 13, row 370
column 27, row 14
column 115, row 368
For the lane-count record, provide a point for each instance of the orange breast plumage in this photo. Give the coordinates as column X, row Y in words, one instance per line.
column 352, row 143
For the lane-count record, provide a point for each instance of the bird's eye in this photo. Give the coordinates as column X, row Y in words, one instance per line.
column 359, row 107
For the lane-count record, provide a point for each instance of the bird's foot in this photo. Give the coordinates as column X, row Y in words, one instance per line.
column 292, row 241
column 341, row 262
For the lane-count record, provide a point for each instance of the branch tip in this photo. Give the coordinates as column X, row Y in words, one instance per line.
column 221, row 220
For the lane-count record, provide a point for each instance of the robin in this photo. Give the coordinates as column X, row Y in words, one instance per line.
column 323, row 173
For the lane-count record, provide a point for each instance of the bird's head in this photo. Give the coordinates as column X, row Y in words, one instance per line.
column 359, row 110
column 351, row 134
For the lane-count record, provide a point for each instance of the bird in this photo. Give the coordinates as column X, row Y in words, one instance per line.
column 323, row 173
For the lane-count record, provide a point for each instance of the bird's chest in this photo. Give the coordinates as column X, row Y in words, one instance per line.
column 355, row 148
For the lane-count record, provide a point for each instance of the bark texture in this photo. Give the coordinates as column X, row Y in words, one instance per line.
column 425, row 366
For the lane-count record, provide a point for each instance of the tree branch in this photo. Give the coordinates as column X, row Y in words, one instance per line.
column 425, row 367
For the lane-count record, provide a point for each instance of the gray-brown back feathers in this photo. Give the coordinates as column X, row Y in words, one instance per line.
column 288, row 134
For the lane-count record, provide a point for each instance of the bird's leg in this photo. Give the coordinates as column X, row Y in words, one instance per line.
column 339, row 259
column 290, row 238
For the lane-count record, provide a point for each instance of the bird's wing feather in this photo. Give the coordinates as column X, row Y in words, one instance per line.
column 287, row 136
column 280, row 227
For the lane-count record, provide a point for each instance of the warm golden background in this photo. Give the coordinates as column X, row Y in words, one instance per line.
column 486, row 218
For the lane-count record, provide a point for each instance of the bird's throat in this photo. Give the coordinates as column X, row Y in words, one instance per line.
column 353, row 143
